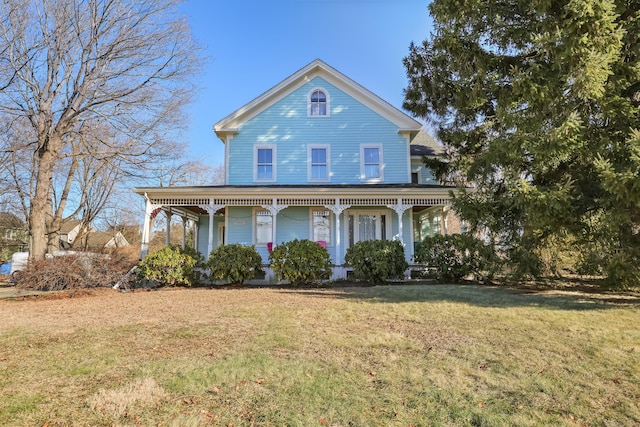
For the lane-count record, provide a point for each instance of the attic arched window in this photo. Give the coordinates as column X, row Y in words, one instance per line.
column 318, row 103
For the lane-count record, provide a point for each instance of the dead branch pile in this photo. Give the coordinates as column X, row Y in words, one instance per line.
column 81, row 270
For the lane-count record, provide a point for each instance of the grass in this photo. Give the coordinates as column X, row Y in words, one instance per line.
column 430, row 355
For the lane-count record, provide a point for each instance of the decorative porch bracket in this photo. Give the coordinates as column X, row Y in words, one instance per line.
column 337, row 209
column 274, row 208
column 399, row 210
column 211, row 210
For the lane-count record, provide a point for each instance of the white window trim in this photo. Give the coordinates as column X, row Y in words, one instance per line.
column 311, row 211
column 254, row 221
column 310, row 165
column 274, row 162
column 326, row 94
column 419, row 172
column 380, row 158
column 356, row 231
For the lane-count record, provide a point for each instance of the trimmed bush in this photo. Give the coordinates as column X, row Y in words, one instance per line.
column 456, row 256
column 171, row 266
column 234, row 263
column 377, row 261
column 301, row 262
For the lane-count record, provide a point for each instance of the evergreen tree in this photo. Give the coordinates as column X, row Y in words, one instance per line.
column 537, row 104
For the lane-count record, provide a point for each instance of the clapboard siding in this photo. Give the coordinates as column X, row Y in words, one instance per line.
column 285, row 124
column 425, row 174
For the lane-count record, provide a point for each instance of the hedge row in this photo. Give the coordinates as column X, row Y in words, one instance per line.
column 300, row 262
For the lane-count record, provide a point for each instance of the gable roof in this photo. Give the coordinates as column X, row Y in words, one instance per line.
column 423, row 144
column 231, row 123
column 101, row 239
column 68, row 225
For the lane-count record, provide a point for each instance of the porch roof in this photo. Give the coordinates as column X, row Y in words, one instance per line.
column 196, row 197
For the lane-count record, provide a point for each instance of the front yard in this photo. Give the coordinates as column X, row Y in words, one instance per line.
column 406, row 355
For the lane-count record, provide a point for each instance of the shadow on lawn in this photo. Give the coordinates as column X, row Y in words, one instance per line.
column 484, row 295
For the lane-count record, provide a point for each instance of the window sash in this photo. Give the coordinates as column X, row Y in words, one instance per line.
column 318, row 103
column 264, row 167
column 319, row 169
column 371, row 163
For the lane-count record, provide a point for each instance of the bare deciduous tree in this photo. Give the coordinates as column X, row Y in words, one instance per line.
column 77, row 70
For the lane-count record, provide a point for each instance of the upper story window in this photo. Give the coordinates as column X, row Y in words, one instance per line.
column 318, row 103
column 264, row 163
column 318, row 163
column 371, row 162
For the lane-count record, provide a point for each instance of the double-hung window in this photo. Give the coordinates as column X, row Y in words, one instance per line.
column 318, row 163
column 264, row 163
column 371, row 162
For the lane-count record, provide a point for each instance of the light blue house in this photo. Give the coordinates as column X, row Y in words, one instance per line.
column 315, row 157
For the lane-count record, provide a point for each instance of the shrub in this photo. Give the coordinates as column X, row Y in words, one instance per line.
column 301, row 262
column 623, row 271
column 234, row 263
column 376, row 261
column 455, row 256
column 170, row 266
column 80, row 270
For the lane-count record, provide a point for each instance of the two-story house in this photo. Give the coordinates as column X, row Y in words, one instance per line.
column 315, row 157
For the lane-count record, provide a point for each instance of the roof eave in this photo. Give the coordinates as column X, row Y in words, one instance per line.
column 234, row 120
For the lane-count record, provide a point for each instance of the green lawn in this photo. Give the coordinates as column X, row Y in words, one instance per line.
column 410, row 355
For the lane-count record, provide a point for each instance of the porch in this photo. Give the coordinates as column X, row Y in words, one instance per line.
column 336, row 216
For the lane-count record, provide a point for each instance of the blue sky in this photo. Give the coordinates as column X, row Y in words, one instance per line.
column 254, row 44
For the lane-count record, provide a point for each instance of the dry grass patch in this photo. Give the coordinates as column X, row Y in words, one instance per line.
column 374, row 356
column 144, row 393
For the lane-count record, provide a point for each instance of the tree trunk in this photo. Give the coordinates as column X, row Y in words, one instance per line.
column 53, row 233
column 39, row 204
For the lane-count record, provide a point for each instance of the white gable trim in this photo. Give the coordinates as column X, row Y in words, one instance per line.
column 316, row 68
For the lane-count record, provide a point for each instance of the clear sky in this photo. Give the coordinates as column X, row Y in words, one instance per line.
column 252, row 45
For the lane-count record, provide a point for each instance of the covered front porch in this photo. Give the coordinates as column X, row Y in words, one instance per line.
column 335, row 216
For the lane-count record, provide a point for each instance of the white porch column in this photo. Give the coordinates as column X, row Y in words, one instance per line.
column 184, row 231
column 146, row 227
column 399, row 209
column 211, row 210
column 274, row 209
column 196, row 230
column 445, row 225
column 168, row 237
column 337, row 209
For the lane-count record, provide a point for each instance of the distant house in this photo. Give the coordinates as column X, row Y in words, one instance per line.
column 99, row 240
column 316, row 157
column 71, row 230
column 14, row 236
